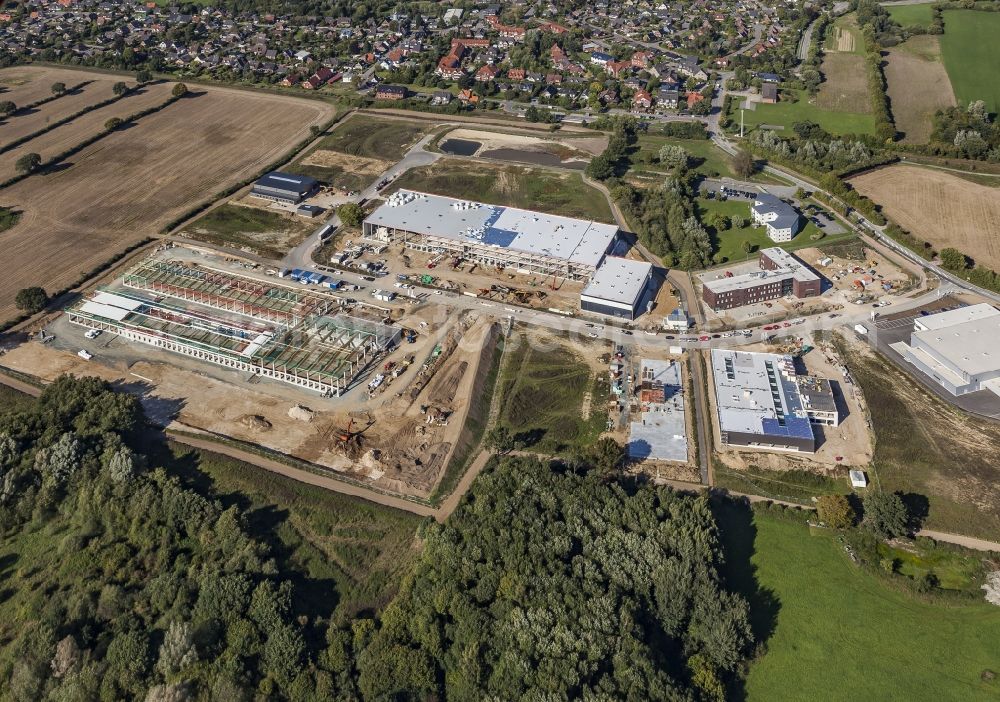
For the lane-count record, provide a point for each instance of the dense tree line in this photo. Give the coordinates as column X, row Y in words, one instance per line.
column 548, row 584
column 143, row 588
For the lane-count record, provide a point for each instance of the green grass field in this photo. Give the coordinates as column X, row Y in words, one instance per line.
column 374, row 137
column 729, row 243
column 833, row 632
column 349, row 552
column 786, row 113
column 917, row 451
column 705, row 157
column 968, row 48
column 543, row 390
column 911, row 15
column 269, row 233
column 556, row 192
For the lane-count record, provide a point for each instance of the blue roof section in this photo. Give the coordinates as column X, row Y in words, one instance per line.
column 792, row 427
column 286, row 181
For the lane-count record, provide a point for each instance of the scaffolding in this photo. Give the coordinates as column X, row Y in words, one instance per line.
column 288, row 335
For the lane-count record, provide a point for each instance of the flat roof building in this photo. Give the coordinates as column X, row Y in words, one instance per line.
column 284, row 187
column 493, row 235
column 780, row 274
column 957, row 348
column 617, row 287
column 762, row 401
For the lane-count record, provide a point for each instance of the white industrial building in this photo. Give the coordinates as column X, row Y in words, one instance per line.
column 492, row 235
column 780, row 218
column 524, row 240
column 617, row 287
column 957, row 348
column 763, row 402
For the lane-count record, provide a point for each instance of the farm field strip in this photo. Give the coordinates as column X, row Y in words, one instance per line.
column 19, row 126
column 129, row 184
column 918, row 86
column 24, row 85
column 69, row 135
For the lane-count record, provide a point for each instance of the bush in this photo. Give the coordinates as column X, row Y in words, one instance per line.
column 28, row 163
column 180, row 90
column 31, row 300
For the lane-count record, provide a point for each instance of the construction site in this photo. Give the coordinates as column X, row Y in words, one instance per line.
column 268, row 330
column 217, row 346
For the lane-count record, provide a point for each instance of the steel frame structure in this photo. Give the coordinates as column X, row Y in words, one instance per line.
column 287, row 336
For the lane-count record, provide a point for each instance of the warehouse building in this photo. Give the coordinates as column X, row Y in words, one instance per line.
column 781, row 219
column 957, row 348
column 617, row 288
column 780, row 274
column 491, row 235
column 762, row 401
column 284, row 187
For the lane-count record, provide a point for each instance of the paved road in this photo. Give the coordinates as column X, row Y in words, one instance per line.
column 804, row 41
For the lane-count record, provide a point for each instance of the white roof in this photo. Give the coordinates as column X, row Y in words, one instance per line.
column 619, row 279
column 106, row 311
column 575, row 240
column 956, row 316
column 969, row 346
column 125, row 303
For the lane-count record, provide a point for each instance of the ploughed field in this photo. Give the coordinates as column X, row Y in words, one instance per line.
column 133, row 182
column 938, row 207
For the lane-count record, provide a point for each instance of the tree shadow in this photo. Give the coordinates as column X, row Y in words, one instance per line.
column 737, row 534
column 529, row 437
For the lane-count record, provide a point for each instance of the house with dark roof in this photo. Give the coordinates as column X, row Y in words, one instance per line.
column 780, row 218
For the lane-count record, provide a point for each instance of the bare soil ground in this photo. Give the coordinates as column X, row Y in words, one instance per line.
column 133, row 182
column 354, row 165
column 938, row 207
column 68, row 135
column 565, row 148
column 846, row 86
column 918, row 86
column 397, row 448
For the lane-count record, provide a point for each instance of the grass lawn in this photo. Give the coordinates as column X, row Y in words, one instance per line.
column 834, row 632
column 968, row 48
column 785, row 113
column 543, row 389
column 912, row 15
column 555, row 192
column 268, row 233
column 374, row 137
column 344, row 551
column 729, row 243
column 705, row 157
column 923, row 445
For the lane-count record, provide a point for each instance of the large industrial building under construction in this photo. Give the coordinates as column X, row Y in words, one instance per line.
column 269, row 330
column 492, row 235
